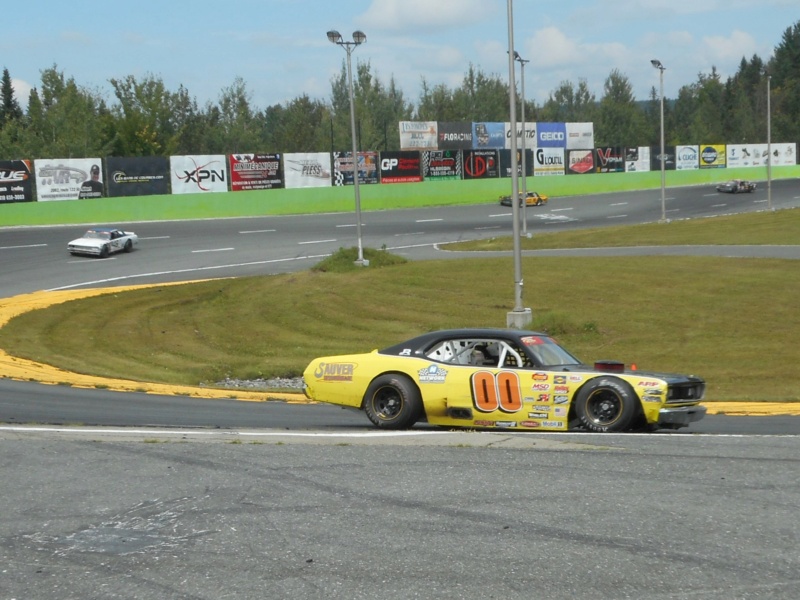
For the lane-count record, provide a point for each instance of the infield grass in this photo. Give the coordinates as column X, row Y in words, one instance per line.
column 733, row 321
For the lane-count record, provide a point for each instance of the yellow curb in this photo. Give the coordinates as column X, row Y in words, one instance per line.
column 27, row 370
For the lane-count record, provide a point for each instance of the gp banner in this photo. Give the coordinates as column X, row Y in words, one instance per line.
column 255, row 172
column 401, row 167
column 551, row 135
column 712, row 156
column 548, row 161
column 758, row 155
column 530, row 135
column 687, row 158
column 198, row 174
column 307, row 169
column 343, row 168
column 137, row 176
column 68, row 178
column 417, row 135
column 580, row 162
column 505, row 162
column 481, row 164
column 16, row 183
column 655, row 158
column 637, row 159
column 580, row 136
column 610, row 159
column 441, row 165
column 455, row 135
column 488, row 135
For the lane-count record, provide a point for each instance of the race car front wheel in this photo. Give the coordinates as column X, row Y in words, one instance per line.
column 606, row 404
column 393, row 402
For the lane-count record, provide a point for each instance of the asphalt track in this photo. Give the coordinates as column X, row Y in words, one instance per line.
column 347, row 512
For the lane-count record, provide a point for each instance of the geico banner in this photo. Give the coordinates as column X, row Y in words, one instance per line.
column 637, row 159
column 481, row 164
column 343, row 168
column 551, row 135
column 255, row 172
column 580, row 162
column 548, row 161
column 505, row 162
column 610, row 159
column 401, row 167
column 16, row 183
column 712, row 156
column 580, row 136
column 416, row 135
column 441, row 165
column 68, row 178
column 687, row 158
column 530, row 135
column 454, row 135
column 757, row 155
column 307, row 169
column 488, row 135
column 137, row 176
column 198, row 174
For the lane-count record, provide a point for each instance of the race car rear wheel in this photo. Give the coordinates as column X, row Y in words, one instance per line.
column 606, row 404
column 393, row 402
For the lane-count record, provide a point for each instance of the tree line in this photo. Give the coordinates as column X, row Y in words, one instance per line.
column 64, row 119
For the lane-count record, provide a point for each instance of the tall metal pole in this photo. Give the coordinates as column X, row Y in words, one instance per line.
column 358, row 38
column 519, row 317
column 661, row 68
column 769, row 144
column 522, row 62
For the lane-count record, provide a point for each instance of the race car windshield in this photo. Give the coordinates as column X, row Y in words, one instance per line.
column 97, row 235
column 548, row 353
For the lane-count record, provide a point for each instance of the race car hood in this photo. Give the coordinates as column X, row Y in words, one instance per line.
column 90, row 242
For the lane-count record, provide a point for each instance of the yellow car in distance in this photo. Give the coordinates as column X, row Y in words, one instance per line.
column 531, row 199
column 501, row 379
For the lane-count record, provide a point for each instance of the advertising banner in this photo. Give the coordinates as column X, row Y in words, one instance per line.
column 530, row 135
column 307, row 169
column 488, row 135
column 687, row 158
column 417, row 135
column 712, row 156
column 441, row 165
column 548, row 161
column 481, row 164
column 505, row 162
column 343, row 168
column 68, row 178
column 580, row 162
column 580, row 136
column 757, row 155
column 16, row 182
column 198, row 174
column 669, row 158
column 610, row 159
column 551, row 135
column 401, row 167
column 455, row 135
column 637, row 159
column 255, row 172
column 137, row 176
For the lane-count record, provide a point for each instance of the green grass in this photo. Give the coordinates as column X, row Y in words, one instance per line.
column 733, row 321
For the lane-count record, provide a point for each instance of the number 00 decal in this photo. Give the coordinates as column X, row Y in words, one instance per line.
column 499, row 391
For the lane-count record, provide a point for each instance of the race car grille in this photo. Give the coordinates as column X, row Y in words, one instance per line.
column 686, row 392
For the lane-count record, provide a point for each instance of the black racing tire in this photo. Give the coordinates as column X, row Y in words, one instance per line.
column 104, row 251
column 606, row 405
column 128, row 246
column 393, row 401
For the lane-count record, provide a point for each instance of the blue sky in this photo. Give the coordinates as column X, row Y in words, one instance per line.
column 280, row 50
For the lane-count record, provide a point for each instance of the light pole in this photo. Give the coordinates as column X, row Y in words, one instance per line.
column 519, row 317
column 522, row 62
column 769, row 144
column 358, row 38
column 661, row 68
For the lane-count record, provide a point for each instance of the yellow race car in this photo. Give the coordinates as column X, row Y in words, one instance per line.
column 531, row 199
column 501, row 378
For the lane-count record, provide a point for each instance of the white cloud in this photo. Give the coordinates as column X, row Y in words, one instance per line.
column 731, row 48
column 426, row 15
